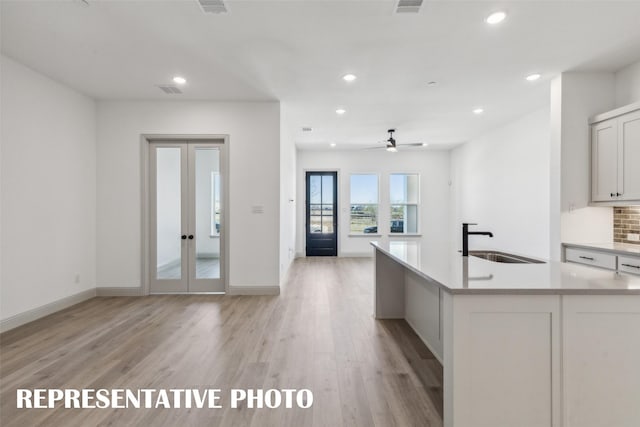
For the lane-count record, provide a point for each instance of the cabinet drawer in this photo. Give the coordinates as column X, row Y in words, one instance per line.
column 596, row 259
column 629, row 264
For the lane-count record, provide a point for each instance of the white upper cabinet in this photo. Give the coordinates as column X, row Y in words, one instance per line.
column 615, row 158
column 629, row 156
column 604, row 169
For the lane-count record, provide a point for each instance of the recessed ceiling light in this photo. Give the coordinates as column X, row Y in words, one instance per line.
column 349, row 77
column 333, row 144
column 533, row 77
column 424, row 144
column 478, row 111
column 341, row 111
column 496, row 18
column 179, row 80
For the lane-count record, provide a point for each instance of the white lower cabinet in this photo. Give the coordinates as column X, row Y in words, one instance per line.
column 629, row 264
column 601, row 358
column 610, row 261
column 542, row 360
column 592, row 258
column 505, row 361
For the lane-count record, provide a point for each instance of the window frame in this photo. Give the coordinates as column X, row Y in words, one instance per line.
column 377, row 205
column 418, row 206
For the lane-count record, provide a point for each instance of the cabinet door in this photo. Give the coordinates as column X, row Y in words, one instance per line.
column 601, row 349
column 604, row 158
column 629, row 156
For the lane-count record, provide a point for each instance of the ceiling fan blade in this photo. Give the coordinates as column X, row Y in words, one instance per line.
column 413, row 144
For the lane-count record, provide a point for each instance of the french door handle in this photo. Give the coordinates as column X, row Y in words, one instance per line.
column 184, row 237
column 190, row 236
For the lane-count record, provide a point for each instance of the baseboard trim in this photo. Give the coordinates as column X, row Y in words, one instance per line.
column 45, row 310
column 254, row 290
column 118, row 292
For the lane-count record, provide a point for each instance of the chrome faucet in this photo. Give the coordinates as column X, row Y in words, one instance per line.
column 465, row 236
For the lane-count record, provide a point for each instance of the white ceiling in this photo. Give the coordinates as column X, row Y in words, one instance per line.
column 297, row 51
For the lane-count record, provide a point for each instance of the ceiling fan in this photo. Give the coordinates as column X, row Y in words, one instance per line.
column 392, row 145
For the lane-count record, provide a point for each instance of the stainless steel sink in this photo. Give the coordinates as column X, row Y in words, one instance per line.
column 496, row 256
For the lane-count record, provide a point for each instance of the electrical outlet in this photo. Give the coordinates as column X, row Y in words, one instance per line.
column 633, row 237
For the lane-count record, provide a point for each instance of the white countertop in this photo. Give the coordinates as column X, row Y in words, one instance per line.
column 619, row 248
column 471, row 275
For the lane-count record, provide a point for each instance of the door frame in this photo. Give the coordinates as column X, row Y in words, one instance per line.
column 145, row 210
column 337, row 209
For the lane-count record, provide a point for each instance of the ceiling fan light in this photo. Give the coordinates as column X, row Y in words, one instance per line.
column 392, row 149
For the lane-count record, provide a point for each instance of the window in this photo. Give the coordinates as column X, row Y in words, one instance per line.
column 364, row 204
column 405, row 199
column 215, row 204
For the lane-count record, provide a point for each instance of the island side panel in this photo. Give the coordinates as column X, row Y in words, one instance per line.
column 502, row 363
column 388, row 295
column 601, row 360
column 423, row 311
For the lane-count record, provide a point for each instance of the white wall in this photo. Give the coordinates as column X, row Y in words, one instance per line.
column 254, row 144
column 47, row 190
column 501, row 181
column 581, row 95
column 288, row 159
column 628, row 84
column 433, row 167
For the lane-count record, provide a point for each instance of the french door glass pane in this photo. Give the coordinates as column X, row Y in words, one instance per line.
column 327, row 224
column 168, row 208
column 315, row 210
column 316, row 224
column 315, row 189
column 327, row 189
column 207, row 213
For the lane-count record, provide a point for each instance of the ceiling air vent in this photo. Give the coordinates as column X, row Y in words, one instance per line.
column 213, row 6
column 169, row 90
column 307, row 129
column 408, row 6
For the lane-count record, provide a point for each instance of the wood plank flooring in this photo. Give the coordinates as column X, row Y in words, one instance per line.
column 318, row 334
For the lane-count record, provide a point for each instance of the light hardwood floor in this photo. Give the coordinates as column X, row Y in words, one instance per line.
column 318, row 334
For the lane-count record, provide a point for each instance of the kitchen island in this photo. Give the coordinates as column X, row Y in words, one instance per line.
column 545, row 344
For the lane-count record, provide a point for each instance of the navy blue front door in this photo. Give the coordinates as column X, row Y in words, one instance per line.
column 322, row 213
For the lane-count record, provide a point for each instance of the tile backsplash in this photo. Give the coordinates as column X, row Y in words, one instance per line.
column 626, row 220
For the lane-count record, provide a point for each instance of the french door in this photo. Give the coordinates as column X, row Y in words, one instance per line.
column 322, row 213
column 186, row 245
